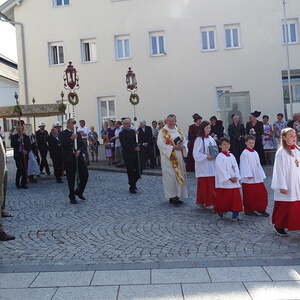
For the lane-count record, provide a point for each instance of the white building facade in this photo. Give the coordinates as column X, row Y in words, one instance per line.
column 212, row 57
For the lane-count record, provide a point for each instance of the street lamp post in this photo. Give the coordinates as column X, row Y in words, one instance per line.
column 34, row 123
column 62, row 104
column 134, row 99
column 286, row 33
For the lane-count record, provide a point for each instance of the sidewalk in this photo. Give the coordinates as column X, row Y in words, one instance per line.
column 233, row 283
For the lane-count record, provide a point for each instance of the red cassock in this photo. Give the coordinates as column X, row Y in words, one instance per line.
column 255, row 196
column 228, row 200
column 206, row 192
column 286, row 215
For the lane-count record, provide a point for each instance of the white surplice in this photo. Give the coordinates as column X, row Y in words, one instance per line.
column 226, row 168
column 171, row 186
column 286, row 175
column 250, row 167
column 203, row 166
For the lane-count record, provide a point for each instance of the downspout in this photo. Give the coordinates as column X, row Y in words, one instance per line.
column 4, row 18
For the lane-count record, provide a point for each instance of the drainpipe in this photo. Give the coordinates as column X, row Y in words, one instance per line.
column 4, row 18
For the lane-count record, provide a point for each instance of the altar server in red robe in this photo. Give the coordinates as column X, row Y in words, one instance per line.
column 255, row 195
column 286, row 184
column 227, row 183
column 205, row 167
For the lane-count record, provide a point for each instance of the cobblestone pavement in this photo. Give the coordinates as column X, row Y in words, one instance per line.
column 115, row 227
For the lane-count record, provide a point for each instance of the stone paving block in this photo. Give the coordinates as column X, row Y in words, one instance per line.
column 89, row 293
column 215, row 291
column 274, row 290
column 151, row 292
column 16, row 280
column 27, row 294
column 281, row 273
column 191, row 275
column 237, row 274
column 56, row 279
column 121, row 277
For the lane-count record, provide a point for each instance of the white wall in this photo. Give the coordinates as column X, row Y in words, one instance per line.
column 182, row 82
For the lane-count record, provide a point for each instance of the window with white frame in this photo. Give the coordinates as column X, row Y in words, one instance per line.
column 56, row 53
column 61, row 2
column 157, row 43
column 107, row 109
column 291, row 31
column 88, row 50
column 122, row 46
column 208, row 38
column 232, row 36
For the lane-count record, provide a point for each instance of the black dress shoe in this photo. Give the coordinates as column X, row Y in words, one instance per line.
column 59, row 181
column 132, row 191
column 251, row 213
column 6, row 237
column 73, row 200
column 25, row 187
column 263, row 213
column 18, row 186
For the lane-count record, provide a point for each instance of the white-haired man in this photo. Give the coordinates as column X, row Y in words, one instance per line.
column 173, row 148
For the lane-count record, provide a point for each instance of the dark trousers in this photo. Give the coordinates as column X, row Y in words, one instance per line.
column 132, row 170
column 44, row 162
column 21, row 174
column 82, row 174
column 4, row 192
column 57, row 166
column 147, row 153
column 85, row 150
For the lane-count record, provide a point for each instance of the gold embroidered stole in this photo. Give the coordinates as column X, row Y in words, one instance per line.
column 174, row 161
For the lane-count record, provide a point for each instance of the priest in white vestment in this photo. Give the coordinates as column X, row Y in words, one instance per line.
column 173, row 148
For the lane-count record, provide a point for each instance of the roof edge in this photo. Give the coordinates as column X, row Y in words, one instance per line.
column 8, row 6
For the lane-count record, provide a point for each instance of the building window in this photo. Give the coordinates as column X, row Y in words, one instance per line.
column 297, row 92
column 292, row 31
column 122, row 46
column 157, row 43
column 61, row 2
column 88, row 50
column 208, row 38
column 56, row 53
column 232, row 37
column 106, row 109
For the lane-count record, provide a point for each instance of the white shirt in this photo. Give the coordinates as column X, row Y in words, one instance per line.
column 85, row 130
column 250, row 167
column 117, row 140
column 286, row 175
column 203, row 166
column 226, row 168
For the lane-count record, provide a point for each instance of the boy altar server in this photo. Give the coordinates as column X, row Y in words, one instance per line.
column 227, row 183
column 286, row 184
column 255, row 195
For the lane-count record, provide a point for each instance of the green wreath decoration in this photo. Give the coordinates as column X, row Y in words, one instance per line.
column 18, row 109
column 62, row 108
column 134, row 99
column 73, row 98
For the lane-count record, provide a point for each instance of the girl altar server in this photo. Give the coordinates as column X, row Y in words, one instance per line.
column 286, row 184
column 255, row 195
column 205, row 166
column 227, row 183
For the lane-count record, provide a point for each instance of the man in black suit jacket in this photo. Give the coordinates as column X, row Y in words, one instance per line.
column 145, row 138
column 55, row 151
column 130, row 151
column 74, row 161
column 20, row 142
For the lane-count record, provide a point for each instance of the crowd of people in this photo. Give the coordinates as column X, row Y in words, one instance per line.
column 224, row 164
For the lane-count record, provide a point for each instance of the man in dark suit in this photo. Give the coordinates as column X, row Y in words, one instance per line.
column 55, row 151
column 42, row 136
column 74, row 161
column 145, row 138
column 20, row 142
column 130, row 151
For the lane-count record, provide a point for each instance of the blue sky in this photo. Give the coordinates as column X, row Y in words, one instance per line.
column 8, row 39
